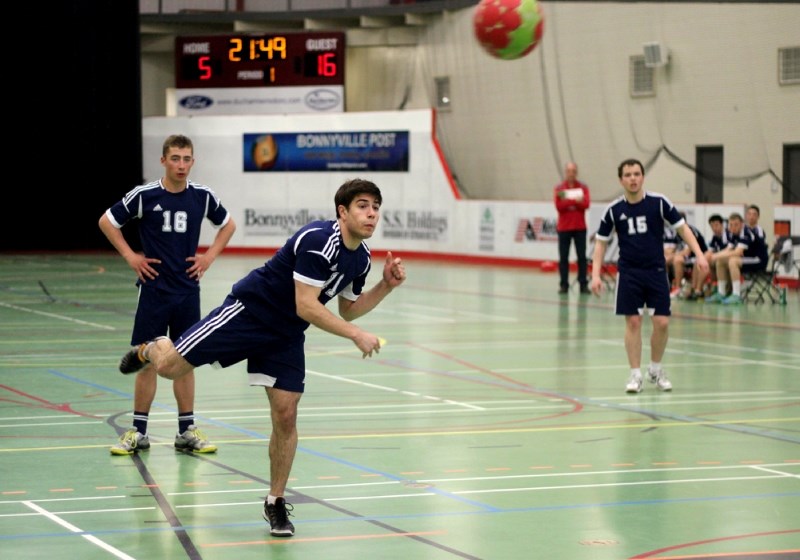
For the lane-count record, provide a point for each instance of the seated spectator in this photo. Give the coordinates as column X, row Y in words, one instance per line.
column 740, row 256
column 751, row 217
column 719, row 240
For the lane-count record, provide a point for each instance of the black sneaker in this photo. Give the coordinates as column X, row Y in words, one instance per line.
column 278, row 518
column 133, row 360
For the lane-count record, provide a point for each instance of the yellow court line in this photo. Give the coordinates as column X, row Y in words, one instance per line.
column 296, row 540
column 459, row 433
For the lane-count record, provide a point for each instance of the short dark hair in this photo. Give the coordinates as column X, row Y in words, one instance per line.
column 756, row 208
column 351, row 189
column 629, row 162
column 715, row 218
column 177, row 141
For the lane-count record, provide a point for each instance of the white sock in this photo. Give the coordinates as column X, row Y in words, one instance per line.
column 271, row 499
column 636, row 372
column 722, row 287
column 736, row 287
column 655, row 366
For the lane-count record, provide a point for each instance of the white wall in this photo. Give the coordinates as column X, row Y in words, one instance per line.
column 513, row 124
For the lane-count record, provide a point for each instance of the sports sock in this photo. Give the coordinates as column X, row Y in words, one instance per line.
column 722, row 287
column 636, row 371
column 143, row 351
column 272, row 499
column 185, row 419
column 140, row 421
column 736, row 287
column 655, row 366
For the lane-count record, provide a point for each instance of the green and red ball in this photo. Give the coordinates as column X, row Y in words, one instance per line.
column 509, row 29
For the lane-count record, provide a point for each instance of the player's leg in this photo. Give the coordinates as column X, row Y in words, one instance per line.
column 279, row 366
column 136, row 438
column 282, row 450
column 583, row 265
column 633, row 348
column 658, row 345
column 283, row 441
column 659, row 337
column 633, row 340
column 189, row 437
column 735, row 274
column 150, row 321
column 721, row 268
column 629, row 294
column 564, row 240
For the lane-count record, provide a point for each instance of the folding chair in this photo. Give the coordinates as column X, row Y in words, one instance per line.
column 762, row 285
column 788, row 245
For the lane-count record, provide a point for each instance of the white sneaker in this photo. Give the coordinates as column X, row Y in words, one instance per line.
column 634, row 384
column 660, row 379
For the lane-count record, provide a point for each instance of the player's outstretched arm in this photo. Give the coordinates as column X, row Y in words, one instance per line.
column 394, row 274
column 310, row 309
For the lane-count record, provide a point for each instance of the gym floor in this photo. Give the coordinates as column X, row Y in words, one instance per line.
column 493, row 425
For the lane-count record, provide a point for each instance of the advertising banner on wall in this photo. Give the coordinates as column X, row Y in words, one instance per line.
column 257, row 101
column 327, row 151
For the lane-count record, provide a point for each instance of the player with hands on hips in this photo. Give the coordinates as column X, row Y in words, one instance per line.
column 170, row 212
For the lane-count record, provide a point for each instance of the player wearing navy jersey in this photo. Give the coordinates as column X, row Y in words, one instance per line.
column 760, row 248
column 170, row 212
column 264, row 318
column 718, row 241
column 638, row 218
column 746, row 252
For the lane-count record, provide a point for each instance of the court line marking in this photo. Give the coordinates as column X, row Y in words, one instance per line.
column 56, row 316
column 392, row 389
column 637, row 426
column 297, row 540
column 69, row 526
column 171, row 413
column 767, row 467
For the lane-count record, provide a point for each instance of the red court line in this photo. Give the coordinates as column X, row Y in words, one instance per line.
column 652, row 554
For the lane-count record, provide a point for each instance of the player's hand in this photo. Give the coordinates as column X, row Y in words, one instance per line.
column 596, row 286
column 367, row 343
column 199, row 266
column 702, row 262
column 394, row 273
column 141, row 266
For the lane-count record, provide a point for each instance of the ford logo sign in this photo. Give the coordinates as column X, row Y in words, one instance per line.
column 196, row 102
column 322, row 99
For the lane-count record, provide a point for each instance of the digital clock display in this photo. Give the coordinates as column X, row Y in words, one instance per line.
column 260, row 60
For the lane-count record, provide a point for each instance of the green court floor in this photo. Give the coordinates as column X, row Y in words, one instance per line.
column 493, row 425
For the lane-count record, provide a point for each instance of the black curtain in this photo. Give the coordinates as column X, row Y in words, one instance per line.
column 77, row 137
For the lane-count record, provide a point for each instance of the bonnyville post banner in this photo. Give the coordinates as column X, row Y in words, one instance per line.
column 327, row 151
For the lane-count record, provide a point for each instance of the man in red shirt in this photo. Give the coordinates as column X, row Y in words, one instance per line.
column 572, row 200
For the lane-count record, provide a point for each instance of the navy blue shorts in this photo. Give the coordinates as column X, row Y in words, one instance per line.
column 637, row 289
column 230, row 334
column 161, row 313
